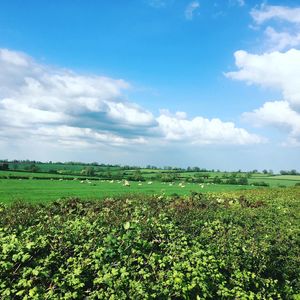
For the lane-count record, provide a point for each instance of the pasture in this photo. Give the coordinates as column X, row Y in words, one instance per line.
column 34, row 190
column 68, row 181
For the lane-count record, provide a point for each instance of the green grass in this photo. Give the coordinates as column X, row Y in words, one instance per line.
column 276, row 181
column 34, row 190
column 48, row 190
column 285, row 177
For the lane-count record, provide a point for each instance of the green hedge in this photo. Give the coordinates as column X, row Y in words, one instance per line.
column 226, row 246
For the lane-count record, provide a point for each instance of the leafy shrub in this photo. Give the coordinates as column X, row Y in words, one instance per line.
column 260, row 183
column 205, row 246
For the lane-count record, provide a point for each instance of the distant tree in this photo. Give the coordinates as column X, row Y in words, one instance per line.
column 32, row 167
column 136, row 176
column 231, row 180
column 265, row 171
column 4, row 166
column 217, row 179
column 243, row 181
column 88, row 171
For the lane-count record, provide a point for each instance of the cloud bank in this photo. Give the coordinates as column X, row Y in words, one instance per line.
column 55, row 105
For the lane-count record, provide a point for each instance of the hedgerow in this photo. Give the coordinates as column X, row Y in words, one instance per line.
column 222, row 246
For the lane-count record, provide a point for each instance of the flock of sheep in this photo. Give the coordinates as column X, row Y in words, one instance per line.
column 128, row 184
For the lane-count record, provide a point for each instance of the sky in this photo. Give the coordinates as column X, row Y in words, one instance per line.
column 208, row 83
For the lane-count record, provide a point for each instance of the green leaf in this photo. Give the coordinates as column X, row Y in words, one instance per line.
column 126, row 225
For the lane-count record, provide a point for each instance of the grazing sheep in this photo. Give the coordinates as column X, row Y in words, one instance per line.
column 126, row 183
column 150, row 182
column 60, row 179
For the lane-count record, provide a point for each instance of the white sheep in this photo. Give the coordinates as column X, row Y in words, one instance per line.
column 126, row 183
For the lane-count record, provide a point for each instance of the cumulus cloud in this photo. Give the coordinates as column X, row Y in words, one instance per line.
column 278, row 114
column 275, row 70
column 32, row 95
column 55, row 105
column 199, row 130
column 190, row 10
column 279, row 41
column 278, row 71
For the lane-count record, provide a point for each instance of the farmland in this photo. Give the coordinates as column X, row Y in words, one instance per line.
column 43, row 182
column 48, row 190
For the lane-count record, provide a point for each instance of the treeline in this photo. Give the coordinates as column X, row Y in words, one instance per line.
column 38, row 166
column 291, row 172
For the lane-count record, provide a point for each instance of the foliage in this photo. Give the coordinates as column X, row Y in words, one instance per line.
column 241, row 245
column 260, row 183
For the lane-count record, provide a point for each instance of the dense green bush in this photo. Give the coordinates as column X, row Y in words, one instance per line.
column 225, row 246
column 260, row 183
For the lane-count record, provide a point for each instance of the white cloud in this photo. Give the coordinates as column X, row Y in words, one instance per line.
column 190, row 10
column 74, row 135
column 278, row 41
column 278, row 114
column 268, row 12
column 279, row 71
column 275, row 70
column 283, row 37
column 54, row 105
column 200, row 130
column 33, row 95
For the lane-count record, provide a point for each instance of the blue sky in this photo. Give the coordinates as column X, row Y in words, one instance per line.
column 166, row 82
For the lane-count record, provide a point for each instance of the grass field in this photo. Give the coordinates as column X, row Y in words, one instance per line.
column 52, row 181
column 47, row 190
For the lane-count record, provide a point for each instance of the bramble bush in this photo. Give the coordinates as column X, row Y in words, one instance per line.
column 206, row 246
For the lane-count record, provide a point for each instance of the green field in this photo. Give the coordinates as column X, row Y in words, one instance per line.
column 47, row 190
column 43, row 186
